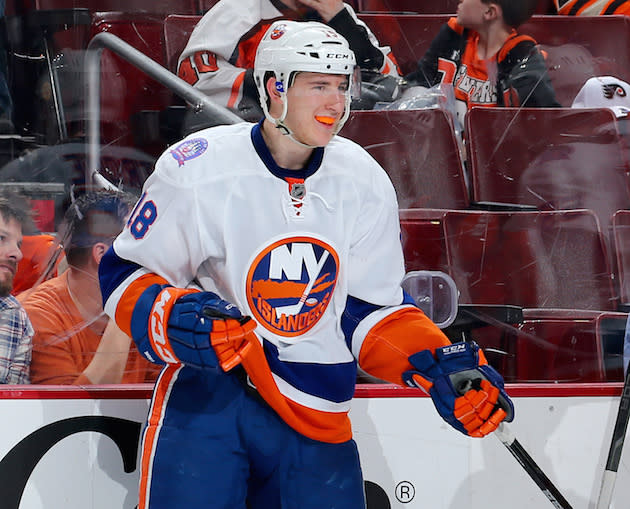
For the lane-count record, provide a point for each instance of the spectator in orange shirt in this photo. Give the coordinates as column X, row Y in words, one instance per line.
column 74, row 341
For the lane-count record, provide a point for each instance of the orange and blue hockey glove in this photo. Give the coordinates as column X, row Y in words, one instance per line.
column 176, row 326
column 467, row 392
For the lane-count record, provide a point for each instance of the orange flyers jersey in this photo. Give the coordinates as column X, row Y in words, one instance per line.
column 287, row 247
column 592, row 7
column 474, row 80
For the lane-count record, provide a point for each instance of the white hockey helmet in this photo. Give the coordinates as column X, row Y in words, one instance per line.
column 289, row 47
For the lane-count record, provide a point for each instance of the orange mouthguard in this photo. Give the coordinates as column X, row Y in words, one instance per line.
column 325, row 120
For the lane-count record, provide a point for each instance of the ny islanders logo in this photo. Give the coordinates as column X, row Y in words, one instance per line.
column 290, row 284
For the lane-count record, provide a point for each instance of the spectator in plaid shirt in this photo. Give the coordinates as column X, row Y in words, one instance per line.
column 16, row 330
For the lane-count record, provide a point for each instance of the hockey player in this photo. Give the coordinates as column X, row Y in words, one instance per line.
column 299, row 229
column 488, row 63
column 219, row 56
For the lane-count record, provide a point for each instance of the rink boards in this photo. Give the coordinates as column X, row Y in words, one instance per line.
column 76, row 448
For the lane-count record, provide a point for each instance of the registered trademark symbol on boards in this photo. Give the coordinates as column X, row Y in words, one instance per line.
column 405, row 492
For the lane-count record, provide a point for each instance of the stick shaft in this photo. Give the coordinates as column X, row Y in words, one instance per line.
column 616, row 446
column 537, row 475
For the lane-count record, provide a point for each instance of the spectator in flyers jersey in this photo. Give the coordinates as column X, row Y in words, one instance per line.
column 219, row 56
column 488, row 63
column 592, row 7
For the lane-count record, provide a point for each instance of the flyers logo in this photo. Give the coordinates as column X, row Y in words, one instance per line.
column 612, row 89
column 290, row 284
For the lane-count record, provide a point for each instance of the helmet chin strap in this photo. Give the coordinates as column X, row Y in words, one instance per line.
column 287, row 132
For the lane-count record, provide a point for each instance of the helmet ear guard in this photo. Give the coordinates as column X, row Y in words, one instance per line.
column 289, row 47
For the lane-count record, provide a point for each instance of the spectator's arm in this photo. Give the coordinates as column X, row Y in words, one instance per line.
column 108, row 364
column 369, row 55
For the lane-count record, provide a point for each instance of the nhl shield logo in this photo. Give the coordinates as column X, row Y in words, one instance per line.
column 290, row 284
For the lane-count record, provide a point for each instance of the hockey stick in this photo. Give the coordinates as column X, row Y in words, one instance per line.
column 507, row 438
column 618, row 437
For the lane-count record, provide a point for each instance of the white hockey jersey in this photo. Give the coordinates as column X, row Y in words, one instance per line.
column 314, row 255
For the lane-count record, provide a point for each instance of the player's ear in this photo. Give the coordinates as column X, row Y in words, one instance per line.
column 272, row 91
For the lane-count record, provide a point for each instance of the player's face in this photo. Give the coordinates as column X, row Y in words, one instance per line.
column 316, row 103
column 470, row 13
column 10, row 253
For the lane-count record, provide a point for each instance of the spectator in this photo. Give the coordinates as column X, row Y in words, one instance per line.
column 219, row 57
column 74, row 342
column 592, row 7
column 16, row 330
column 488, row 63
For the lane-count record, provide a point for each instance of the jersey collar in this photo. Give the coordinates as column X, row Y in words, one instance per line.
column 311, row 167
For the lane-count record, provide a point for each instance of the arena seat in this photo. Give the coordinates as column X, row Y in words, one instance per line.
column 177, row 30
column 621, row 247
column 205, row 5
column 563, row 348
column 419, row 151
column 422, row 237
column 543, row 259
column 409, row 6
column 576, row 47
column 430, row 6
column 129, row 98
column 127, row 6
column 524, row 278
column 551, row 158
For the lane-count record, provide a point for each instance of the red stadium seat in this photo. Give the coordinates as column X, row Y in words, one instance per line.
column 419, row 151
column 409, row 6
column 205, row 5
column 551, row 158
column 408, row 35
column 562, row 348
column 126, row 91
column 430, row 6
column 553, row 267
column 570, row 346
column 621, row 246
column 177, row 30
column 580, row 47
column 422, row 237
column 139, row 6
column 576, row 47
column 550, row 259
